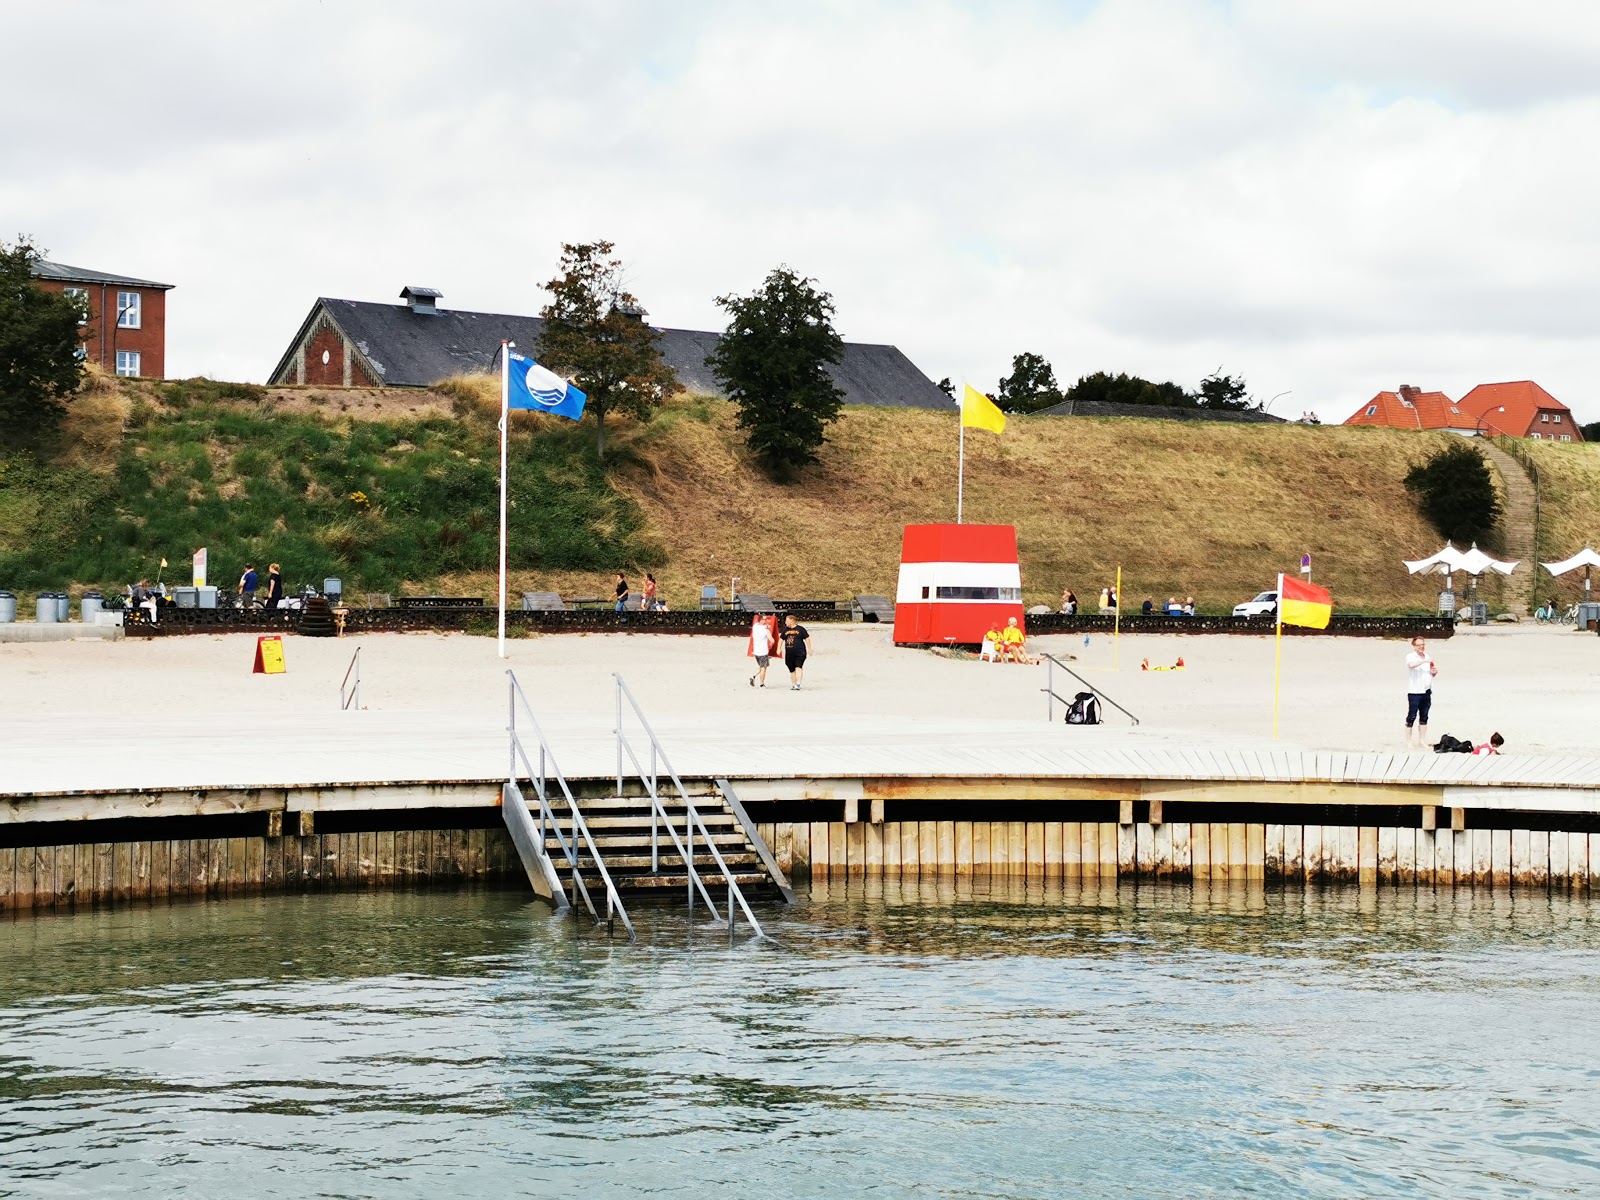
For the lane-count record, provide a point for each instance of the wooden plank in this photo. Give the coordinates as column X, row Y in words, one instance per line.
column 1127, row 849
column 783, row 845
column 1405, row 855
column 1560, row 876
column 1144, row 849
column 1294, row 853
column 982, row 852
column 1238, row 850
column 1537, row 873
column 366, row 855
column 1053, row 849
column 799, row 850
column 874, row 841
column 45, row 888
column 1461, row 854
column 122, row 873
column 891, row 849
column 1200, row 850
column 1274, row 853
column 999, row 848
column 105, row 872
column 477, row 855
column 855, row 848
column 945, row 844
column 199, row 879
column 238, row 865
column 1388, row 840
column 1033, row 849
column 818, row 856
column 1161, row 850
column 1181, row 851
column 1109, row 857
column 1500, row 858
column 386, row 867
column 1017, row 852
column 1578, row 859
column 1346, row 851
column 1443, row 858
column 1255, row 851
column 1480, row 857
column 910, row 849
column 1311, row 853
column 25, row 878
column 8, row 879
column 927, row 847
column 1594, row 862
column 1072, row 849
column 1367, row 854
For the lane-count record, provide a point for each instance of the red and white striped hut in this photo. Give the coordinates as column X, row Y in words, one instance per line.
column 955, row 581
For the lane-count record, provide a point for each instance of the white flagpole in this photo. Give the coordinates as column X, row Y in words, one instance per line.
column 961, row 454
column 505, row 409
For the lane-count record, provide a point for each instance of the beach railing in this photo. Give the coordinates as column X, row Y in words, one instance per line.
column 659, row 819
column 546, row 826
column 1049, row 690
column 350, row 689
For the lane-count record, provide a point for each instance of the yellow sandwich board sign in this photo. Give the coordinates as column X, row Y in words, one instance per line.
column 269, row 656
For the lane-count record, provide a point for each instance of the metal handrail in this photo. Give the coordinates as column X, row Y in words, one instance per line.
column 579, row 828
column 353, row 698
column 692, row 820
column 1049, row 689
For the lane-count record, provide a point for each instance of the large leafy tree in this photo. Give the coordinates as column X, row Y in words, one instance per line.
column 1455, row 492
column 40, row 338
column 773, row 360
column 596, row 335
column 1225, row 392
column 1030, row 386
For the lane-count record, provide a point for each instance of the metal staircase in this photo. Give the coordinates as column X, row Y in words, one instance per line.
column 650, row 838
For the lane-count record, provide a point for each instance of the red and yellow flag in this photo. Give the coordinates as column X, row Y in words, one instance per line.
column 1303, row 604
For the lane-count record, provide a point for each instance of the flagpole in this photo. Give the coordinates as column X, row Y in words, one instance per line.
column 505, row 408
column 1277, row 668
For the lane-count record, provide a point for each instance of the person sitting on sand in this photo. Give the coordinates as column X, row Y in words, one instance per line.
column 1492, row 746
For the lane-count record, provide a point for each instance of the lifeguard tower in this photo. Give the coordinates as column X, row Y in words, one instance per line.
column 955, row 581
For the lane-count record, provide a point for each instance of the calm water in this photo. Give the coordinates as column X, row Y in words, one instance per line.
column 890, row 1041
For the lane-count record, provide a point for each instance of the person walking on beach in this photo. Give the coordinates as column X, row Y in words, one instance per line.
column 1419, row 692
column 274, row 587
column 622, row 590
column 247, row 586
column 796, row 645
column 761, row 638
column 649, row 592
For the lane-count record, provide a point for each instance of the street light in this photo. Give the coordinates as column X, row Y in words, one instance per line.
column 1267, row 407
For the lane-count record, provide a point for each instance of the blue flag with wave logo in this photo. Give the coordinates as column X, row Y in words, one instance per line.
column 541, row 390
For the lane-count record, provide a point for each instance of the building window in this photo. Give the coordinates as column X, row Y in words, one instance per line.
column 128, row 311
column 127, row 362
column 1545, row 418
column 1566, row 437
column 1455, row 410
column 82, row 352
column 1372, row 410
column 1558, row 419
column 81, row 295
column 1534, row 436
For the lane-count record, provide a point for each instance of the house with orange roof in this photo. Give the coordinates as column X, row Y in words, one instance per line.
column 1520, row 409
column 1412, row 408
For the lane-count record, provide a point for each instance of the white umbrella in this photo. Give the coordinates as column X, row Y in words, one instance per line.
column 1445, row 562
column 1584, row 558
column 1476, row 562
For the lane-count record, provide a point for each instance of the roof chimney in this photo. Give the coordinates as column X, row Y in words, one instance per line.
column 632, row 311
column 421, row 299
column 1409, row 392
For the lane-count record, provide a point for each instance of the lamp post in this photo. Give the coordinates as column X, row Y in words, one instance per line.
column 1267, row 407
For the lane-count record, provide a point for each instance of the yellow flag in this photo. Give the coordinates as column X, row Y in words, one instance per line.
column 980, row 412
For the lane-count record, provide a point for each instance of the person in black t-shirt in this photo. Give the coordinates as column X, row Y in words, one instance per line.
column 796, row 642
column 621, row 590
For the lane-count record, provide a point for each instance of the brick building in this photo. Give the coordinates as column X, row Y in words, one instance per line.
column 355, row 343
column 1522, row 409
column 132, row 340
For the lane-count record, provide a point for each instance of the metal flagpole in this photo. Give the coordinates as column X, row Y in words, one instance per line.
column 1277, row 666
column 505, row 409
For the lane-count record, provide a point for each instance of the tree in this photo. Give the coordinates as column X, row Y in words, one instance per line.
column 1455, row 492
column 595, row 334
column 773, row 360
column 1030, row 386
column 1224, row 392
column 40, row 348
column 948, row 388
column 1128, row 389
column 1591, row 431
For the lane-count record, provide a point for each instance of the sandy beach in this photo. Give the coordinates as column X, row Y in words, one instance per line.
column 187, row 709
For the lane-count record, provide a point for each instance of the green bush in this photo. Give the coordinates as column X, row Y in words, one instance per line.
column 1455, row 492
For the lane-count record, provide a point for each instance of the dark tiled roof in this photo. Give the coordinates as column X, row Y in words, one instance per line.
column 1105, row 408
column 44, row 269
column 410, row 349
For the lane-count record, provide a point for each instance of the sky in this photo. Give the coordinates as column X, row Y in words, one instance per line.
column 1326, row 197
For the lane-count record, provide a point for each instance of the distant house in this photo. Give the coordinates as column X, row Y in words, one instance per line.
column 133, row 341
column 354, row 343
column 1511, row 409
column 1521, row 409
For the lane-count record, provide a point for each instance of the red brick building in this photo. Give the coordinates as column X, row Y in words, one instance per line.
column 126, row 332
column 1522, row 409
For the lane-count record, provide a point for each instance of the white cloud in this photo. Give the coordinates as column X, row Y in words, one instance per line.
column 1329, row 198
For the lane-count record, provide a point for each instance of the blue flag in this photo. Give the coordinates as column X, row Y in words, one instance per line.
column 534, row 387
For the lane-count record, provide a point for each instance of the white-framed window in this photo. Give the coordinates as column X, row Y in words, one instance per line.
column 1566, row 437
column 1372, row 410
column 82, row 296
column 127, row 362
column 128, row 311
column 1558, row 418
column 1534, row 436
column 1544, row 418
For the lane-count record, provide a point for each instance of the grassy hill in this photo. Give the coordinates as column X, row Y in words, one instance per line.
column 396, row 491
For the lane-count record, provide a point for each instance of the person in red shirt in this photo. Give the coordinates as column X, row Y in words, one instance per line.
column 1492, row 746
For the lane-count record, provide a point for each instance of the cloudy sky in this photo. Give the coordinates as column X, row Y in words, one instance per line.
column 1328, row 197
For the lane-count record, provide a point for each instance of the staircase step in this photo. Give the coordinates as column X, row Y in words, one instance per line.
column 712, row 821
column 637, row 862
column 608, row 844
column 717, row 886
column 602, row 803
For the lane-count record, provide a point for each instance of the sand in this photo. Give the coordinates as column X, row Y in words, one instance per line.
column 187, row 710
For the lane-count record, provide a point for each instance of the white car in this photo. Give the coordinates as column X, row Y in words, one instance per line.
column 1264, row 605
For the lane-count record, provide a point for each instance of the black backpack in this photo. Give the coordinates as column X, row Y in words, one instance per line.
column 1084, row 709
column 1451, row 745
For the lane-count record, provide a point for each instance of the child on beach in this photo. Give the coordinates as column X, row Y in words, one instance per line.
column 1492, row 746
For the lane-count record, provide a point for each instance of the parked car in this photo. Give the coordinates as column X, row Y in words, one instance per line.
column 1264, row 605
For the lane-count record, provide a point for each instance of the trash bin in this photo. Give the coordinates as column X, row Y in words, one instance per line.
column 45, row 609
column 1589, row 615
column 8, row 608
column 208, row 597
column 186, row 597
column 1480, row 612
column 63, row 607
column 89, row 606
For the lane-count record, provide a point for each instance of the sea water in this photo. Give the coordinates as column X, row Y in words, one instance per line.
column 939, row 1038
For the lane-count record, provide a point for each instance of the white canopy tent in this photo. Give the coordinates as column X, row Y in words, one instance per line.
column 1585, row 558
column 1449, row 560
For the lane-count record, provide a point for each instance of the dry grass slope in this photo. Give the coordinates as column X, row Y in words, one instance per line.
column 1569, row 518
column 1209, row 510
